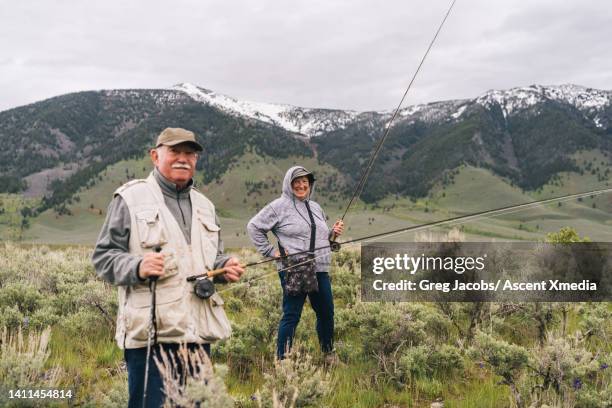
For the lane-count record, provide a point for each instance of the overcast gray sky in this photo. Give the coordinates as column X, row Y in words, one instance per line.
column 318, row 53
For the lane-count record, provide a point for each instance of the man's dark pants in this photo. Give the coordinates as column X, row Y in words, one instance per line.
column 136, row 362
column 323, row 305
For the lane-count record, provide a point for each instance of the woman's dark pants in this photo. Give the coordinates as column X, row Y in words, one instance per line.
column 136, row 360
column 323, row 305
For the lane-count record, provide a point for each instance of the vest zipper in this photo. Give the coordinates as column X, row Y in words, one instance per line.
column 178, row 202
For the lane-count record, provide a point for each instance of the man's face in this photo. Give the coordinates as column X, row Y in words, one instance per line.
column 176, row 163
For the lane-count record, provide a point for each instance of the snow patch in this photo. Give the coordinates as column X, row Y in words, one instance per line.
column 459, row 112
column 306, row 121
column 598, row 123
column 587, row 100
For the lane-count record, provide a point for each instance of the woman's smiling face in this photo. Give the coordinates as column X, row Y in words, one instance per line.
column 301, row 187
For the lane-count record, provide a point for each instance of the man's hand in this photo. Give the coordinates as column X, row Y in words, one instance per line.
column 152, row 264
column 233, row 270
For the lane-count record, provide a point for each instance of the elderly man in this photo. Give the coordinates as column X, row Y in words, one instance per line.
column 162, row 227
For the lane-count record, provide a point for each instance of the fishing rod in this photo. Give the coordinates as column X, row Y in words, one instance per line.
column 364, row 176
column 333, row 245
column 205, row 288
column 453, row 220
column 221, row 271
column 152, row 331
column 480, row 214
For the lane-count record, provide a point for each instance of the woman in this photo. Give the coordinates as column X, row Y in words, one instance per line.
column 290, row 218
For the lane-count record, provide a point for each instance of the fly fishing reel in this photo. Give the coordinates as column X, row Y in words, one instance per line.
column 204, row 288
column 334, row 246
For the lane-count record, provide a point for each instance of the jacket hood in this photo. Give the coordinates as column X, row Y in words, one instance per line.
column 287, row 190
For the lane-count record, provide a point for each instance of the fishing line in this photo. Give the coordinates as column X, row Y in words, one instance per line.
column 259, row 277
column 461, row 219
column 358, row 190
column 476, row 215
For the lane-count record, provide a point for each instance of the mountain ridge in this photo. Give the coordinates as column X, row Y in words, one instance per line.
column 297, row 119
column 526, row 134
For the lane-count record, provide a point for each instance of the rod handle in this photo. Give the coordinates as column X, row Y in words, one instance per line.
column 210, row 274
column 154, row 278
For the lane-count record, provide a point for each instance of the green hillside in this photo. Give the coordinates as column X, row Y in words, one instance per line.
column 251, row 182
column 254, row 180
column 12, row 209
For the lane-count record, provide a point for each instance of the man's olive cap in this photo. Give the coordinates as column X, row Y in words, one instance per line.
column 174, row 136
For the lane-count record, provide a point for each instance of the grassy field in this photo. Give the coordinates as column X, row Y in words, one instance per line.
column 391, row 354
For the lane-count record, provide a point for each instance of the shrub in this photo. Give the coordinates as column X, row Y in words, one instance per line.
column 564, row 370
column 506, row 360
column 413, row 363
column 294, row 382
column 11, row 317
column 445, row 360
column 116, row 395
column 22, row 362
column 421, row 362
column 565, row 235
column 42, row 287
column 347, row 320
column 595, row 320
column 202, row 388
column 26, row 298
column 252, row 338
column 250, row 341
column 386, row 327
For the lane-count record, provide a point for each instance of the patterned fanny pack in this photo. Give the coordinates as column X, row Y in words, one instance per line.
column 300, row 274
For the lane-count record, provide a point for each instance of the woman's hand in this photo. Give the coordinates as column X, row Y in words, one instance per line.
column 338, row 227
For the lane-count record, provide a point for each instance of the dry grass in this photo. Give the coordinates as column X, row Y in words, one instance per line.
column 190, row 380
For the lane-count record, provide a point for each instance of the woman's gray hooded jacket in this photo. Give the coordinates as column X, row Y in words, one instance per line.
column 287, row 217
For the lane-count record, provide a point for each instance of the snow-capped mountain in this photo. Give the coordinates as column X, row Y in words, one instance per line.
column 589, row 101
column 311, row 122
column 306, row 121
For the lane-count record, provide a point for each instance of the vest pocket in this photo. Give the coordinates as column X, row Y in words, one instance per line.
column 150, row 228
column 170, row 266
column 171, row 270
column 209, row 234
column 172, row 313
column 209, row 226
column 213, row 323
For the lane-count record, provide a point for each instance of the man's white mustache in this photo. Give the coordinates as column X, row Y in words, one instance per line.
column 181, row 166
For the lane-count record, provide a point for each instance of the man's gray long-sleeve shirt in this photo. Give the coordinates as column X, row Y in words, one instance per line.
column 111, row 256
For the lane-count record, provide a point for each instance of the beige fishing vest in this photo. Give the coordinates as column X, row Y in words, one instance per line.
column 181, row 315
